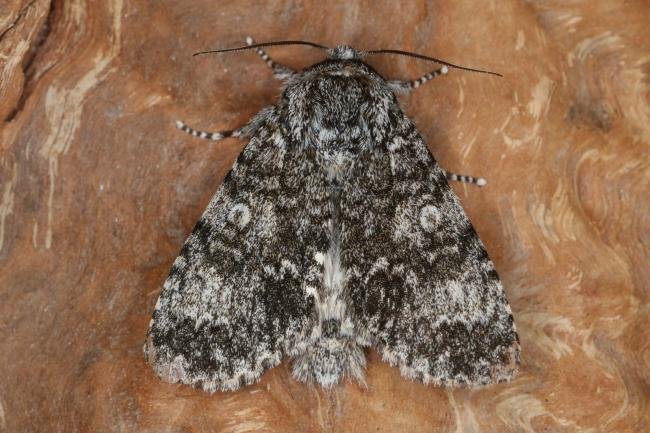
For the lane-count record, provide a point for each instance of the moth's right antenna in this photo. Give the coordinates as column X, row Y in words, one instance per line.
column 263, row 44
column 431, row 59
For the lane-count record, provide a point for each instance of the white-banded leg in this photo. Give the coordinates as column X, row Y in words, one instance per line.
column 406, row 86
column 280, row 72
column 210, row 135
column 464, row 178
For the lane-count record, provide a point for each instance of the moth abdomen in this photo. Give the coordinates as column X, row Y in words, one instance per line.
column 329, row 356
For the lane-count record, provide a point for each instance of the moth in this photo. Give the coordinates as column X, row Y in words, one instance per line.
column 335, row 231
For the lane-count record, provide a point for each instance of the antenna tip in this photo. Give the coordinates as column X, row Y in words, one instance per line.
column 481, row 182
column 249, row 40
column 444, row 69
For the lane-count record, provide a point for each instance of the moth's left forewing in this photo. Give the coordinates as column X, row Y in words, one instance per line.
column 235, row 300
column 420, row 280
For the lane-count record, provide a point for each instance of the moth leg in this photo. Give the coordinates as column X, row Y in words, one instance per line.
column 405, row 86
column 280, row 72
column 211, row 135
column 243, row 131
column 464, row 178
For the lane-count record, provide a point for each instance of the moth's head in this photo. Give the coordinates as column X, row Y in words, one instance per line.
column 344, row 52
column 341, row 68
column 345, row 61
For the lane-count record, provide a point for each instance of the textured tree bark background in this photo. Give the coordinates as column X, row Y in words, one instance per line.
column 98, row 191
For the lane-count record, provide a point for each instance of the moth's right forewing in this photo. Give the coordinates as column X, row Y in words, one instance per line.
column 420, row 281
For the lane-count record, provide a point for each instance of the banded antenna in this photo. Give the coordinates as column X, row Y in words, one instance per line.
column 263, row 44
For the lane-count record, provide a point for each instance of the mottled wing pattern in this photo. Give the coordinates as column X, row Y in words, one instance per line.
column 235, row 299
column 423, row 288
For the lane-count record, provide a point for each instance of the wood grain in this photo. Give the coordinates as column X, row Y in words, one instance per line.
column 98, row 192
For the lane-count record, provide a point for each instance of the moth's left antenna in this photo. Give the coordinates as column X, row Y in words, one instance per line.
column 263, row 44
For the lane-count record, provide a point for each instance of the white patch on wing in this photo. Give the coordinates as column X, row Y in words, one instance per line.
column 430, row 218
column 239, row 215
column 291, row 267
column 311, row 291
column 319, row 257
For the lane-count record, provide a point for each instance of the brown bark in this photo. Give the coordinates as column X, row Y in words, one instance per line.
column 98, row 192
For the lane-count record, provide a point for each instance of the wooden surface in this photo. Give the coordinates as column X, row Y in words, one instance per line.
column 98, row 192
